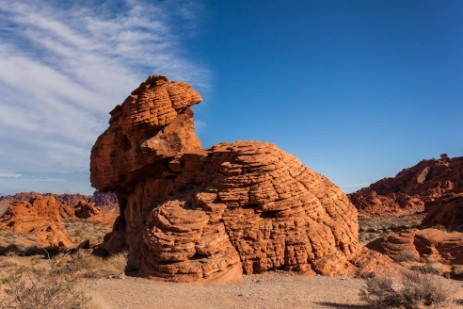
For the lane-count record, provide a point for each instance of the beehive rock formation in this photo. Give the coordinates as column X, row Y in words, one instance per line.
column 430, row 244
column 190, row 214
column 411, row 189
column 38, row 217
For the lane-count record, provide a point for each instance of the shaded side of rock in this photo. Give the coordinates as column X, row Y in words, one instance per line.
column 446, row 211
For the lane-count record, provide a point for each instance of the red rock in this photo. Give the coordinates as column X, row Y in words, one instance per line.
column 40, row 218
column 104, row 210
column 153, row 124
column 86, row 210
column 430, row 244
column 446, row 211
column 411, row 189
column 190, row 214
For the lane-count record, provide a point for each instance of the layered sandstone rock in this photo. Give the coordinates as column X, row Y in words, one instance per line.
column 428, row 244
column 39, row 218
column 67, row 202
column 198, row 214
column 86, row 210
column 153, row 124
column 101, row 208
column 411, row 189
column 446, row 211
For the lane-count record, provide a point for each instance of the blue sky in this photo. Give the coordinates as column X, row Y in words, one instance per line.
column 357, row 90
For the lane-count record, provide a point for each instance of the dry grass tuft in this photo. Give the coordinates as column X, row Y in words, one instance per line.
column 413, row 290
column 405, row 257
column 35, row 282
column 85, row 265
column 434, row 268
column 36, row 287
column 371, row 229
column 85, row 230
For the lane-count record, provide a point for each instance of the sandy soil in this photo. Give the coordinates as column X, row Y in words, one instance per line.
column 272, row 290
column 258, row 291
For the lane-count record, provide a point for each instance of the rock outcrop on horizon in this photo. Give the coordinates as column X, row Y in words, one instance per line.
column 412, row 189
column 40, row 218
column 101, row 199
column 69, row 205
column 193, row 214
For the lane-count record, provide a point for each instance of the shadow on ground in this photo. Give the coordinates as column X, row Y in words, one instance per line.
column 341, row 306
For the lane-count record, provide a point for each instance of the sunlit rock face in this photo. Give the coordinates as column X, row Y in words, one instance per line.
column 414, row 189
column 38, row 217
column 193, row 214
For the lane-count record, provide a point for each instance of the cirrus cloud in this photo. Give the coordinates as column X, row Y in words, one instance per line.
column 63, row 67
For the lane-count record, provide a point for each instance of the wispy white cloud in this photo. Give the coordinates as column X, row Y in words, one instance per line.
column 64, row 66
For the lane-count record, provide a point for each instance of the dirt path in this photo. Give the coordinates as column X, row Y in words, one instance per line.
column 258, row 291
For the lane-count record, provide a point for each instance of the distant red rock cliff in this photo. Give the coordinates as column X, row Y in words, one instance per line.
column 105, row 200
column 411, row 189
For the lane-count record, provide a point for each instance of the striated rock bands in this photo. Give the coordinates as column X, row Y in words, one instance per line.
column 411, row 189
column 191, row 214
column 39, row 217
column 153, row 124
column 429, row 244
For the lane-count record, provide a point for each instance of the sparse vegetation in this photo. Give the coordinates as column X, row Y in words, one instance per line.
column 85, row 230
column 434, row 268
column 36, row 287
column 85, row 265
column 412, row 290
column 35, row 282
column 370, row 229
column 456, row 272
column 405, row 257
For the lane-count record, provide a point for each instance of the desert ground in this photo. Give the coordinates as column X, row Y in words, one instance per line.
column 270, row 290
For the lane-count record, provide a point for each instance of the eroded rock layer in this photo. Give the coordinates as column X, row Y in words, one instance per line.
column 411, row 189
column 39, row 217
column 428, row 244
column 198, row 214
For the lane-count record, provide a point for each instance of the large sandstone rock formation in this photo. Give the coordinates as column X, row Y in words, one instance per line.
column 39, row 218
column 189, row 213
column 411, row 189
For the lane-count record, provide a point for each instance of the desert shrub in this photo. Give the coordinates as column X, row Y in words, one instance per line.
column 405, row 257
column 456, row 271
column 429, row 268
column 35, row 287
column 413, row 290
column 85, row 265
column 85, row 230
